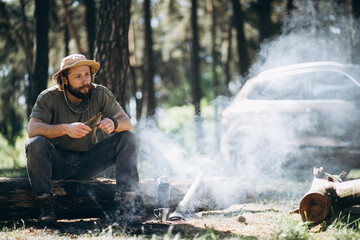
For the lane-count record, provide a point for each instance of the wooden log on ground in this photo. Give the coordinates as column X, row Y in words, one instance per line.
column 326, row 193
column 94, row 198
column 316, row 203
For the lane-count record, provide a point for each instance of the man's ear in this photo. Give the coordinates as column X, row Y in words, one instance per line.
column 64, row 80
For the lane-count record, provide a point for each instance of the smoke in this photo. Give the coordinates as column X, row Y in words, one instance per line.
column 314, row 31
column 164, row 154
column 322, row 32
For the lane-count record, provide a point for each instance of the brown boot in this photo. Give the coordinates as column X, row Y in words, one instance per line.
column 125, row 209
column 47, row 209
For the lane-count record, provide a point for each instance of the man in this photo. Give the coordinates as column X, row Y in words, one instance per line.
column 62, row 146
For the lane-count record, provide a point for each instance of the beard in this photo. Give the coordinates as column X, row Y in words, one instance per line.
column 76, row 92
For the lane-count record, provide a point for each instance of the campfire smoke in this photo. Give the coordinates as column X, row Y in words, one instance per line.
column 307, row 36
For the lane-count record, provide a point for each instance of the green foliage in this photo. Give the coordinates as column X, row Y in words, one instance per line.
column 12, row 117
column 209, row 234
column 177, row 118
column 11, row 72
column 291, row 229
column 12, row 156
column 344, row 226
column 353, row 174
column 179, row 122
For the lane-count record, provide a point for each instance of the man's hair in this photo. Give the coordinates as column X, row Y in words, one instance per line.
column 65, row 74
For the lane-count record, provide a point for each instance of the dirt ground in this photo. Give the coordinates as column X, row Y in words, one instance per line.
column 245, row 221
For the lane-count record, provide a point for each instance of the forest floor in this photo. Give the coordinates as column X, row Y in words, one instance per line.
column 243, row 221
column 266, row 217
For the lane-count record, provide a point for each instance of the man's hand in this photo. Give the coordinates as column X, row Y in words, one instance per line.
column 107, row 125
column 78, row 130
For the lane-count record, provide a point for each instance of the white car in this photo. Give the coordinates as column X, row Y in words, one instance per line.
column 306, row 114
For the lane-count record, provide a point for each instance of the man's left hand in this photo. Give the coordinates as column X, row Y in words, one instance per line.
column 107, row 125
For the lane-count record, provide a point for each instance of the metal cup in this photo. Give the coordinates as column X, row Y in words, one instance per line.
column 162, row 214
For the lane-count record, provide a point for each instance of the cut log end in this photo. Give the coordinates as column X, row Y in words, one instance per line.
column 314, row 207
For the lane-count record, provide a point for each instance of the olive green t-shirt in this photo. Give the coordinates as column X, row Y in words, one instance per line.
column 52, row 108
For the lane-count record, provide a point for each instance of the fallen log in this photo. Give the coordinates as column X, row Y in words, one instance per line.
column 94, row 198
column 325, row 194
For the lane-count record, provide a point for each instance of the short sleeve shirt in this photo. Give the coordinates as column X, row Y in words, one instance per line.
column 52, row 108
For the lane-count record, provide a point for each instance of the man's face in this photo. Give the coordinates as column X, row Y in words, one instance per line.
column 79, row 82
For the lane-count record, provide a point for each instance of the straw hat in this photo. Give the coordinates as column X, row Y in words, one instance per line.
column 76, row 60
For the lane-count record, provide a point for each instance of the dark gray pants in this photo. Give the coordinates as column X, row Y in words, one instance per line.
column 46, row 162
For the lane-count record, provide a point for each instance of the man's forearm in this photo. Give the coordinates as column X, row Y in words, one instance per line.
column 47, row 130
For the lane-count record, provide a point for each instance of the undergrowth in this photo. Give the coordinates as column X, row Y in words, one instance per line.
column 342, row 227
column 12, row 158
column 291, row 229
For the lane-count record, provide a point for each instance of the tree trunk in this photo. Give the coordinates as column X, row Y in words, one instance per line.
column 195, row 62
column 71, row 27
column 134, row 90
column 214, row 54
column 94, row 198
column 354, row 48
column 66, row 39
column 265, row 25
column 133, row 73
column 289, row 6
column 228, row 58
column 240, row 38
column 40, row 76
column 28, row 47
column 195, row 77
column 215, row 81
column 148, row 62
column 351, row 30
column 28, row 43
column 316, row 27
column 356, row 8
column 112, row 50
column 288, row 17
column 90, row 25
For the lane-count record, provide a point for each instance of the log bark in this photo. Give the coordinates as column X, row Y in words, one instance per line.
column 325, row 194
column 94, row 198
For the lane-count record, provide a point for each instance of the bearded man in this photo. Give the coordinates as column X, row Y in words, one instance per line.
column 62, row 146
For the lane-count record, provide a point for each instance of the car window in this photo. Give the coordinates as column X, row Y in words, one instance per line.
column 334, row 85
column 310, row 85
column 284, row 88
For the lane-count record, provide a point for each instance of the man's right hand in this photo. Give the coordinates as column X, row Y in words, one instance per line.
column 78, row 130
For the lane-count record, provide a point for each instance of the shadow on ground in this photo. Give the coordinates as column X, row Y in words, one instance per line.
column 97, row 227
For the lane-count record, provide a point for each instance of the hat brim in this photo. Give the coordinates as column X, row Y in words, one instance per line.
column 92, row 64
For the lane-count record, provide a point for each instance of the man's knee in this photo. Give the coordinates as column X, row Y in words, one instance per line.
column 37, row 144
column 128, row 139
